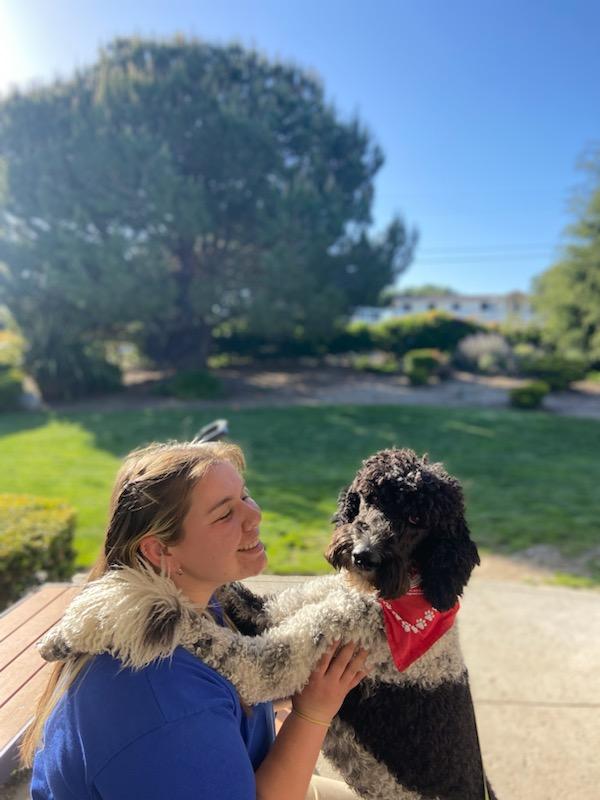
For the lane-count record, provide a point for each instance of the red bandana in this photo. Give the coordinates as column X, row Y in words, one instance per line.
column 412, row 624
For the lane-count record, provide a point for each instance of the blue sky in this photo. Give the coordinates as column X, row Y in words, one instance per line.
column 482, row 107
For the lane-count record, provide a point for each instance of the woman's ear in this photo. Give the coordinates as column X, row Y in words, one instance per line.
column 154, row 551
column 445, row 561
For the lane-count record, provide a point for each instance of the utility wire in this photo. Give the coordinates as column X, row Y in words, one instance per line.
column 484, row 259
column 490, row 247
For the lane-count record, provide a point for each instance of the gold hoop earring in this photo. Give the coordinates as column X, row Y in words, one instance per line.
column 179, row 571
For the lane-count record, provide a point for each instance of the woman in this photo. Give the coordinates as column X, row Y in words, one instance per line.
column 177, row 729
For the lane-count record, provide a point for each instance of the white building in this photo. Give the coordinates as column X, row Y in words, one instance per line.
column 514, row 306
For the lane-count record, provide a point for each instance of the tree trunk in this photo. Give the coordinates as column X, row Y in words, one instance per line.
column 187, row 347
column 183, row 343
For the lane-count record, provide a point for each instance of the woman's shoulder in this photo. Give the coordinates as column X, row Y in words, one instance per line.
column 163, row 691
column 185, row 684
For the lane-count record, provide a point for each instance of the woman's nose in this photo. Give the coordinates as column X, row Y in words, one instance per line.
column 253, row 515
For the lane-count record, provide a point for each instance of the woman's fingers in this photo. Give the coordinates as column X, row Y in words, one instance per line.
column 347, row 661
column 325, row 660
column 356, row 664
column 341, row 659
column 357, row 679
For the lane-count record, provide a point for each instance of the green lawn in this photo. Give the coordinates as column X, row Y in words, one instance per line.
column 529, row 477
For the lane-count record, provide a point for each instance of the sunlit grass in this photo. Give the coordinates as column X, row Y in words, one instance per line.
column 529, row 478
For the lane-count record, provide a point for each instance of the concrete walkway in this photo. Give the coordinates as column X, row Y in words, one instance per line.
column 533, row 654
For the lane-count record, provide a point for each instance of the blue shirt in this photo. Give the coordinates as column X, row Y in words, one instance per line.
column 174, row 729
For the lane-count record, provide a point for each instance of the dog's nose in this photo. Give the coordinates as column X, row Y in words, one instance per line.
column 363, row 559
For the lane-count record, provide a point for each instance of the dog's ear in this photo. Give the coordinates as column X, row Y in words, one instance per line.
column 348, row 507
column 445, row 561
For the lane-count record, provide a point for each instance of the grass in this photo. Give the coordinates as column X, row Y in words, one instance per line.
column 529, row 478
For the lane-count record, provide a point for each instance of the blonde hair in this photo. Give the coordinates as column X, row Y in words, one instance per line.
column 150, row 497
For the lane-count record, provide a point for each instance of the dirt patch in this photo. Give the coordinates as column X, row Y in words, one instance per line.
column 284, row 385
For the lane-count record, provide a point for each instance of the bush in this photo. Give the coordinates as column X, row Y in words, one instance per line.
column 11, row 349
column 525, row 350
column 397, row 336
column 485, row 352
column 432, row 329
column 74, row 370
column 557, row 371
column 36, row 536
column 530, row 334
column 11, row 388
column 356, row 337
column 193, row 384
column 529, row 396
column 376, row 362
column 420, row 365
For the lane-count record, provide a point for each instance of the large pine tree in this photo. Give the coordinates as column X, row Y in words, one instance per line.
column 175, row 185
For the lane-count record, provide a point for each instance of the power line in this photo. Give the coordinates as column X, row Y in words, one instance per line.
column 491, row 248
column 484, row 259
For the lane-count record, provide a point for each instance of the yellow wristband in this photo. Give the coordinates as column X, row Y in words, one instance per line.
column 310, row 719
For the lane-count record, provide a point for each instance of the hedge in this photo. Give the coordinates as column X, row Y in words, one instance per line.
column 424, row 363
column 557, row 371
column 397, row 335
column 36, row 543
column 531, row 395
column 432, row 329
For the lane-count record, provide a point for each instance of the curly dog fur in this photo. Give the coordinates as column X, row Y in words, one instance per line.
column 405, row 735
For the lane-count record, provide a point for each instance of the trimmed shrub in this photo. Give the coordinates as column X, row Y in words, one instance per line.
column 11, row 388
column 485, row 352
column 192, row 384
column 36, row 543
column 432, row 329
column 529, row 396
column 420, row 365
column 557, row 371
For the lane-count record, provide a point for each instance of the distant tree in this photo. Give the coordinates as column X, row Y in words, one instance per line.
column 173, row 186
column 567, row 296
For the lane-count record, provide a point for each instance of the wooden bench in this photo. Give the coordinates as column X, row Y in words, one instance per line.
column 23, row 674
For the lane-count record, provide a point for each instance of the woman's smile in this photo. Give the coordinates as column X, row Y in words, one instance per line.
column 253, row 547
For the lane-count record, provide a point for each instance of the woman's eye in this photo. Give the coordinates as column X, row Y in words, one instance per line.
column 225, row 516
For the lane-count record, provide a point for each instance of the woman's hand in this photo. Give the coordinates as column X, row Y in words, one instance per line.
column 287, row 767
column 337, row 672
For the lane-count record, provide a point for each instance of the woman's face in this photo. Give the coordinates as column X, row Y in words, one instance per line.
column 220, row 534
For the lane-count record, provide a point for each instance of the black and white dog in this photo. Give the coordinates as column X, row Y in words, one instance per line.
column 404, row 554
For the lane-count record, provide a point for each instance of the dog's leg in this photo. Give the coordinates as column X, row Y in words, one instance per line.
column 278, row 663
column 244, row 607
column 138, row 618
column 279, row 607
column 254, row 613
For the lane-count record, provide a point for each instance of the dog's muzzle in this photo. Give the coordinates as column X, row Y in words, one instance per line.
column 364, row 559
